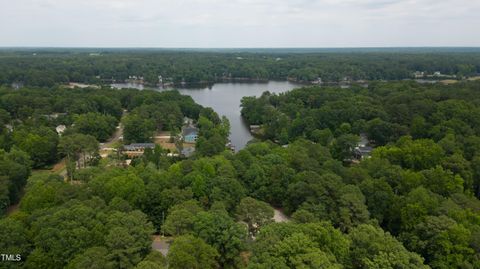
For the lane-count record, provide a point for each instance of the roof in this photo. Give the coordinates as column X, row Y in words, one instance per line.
column 363, row 140
column 364, row 150
column 137, row 146
column 189, row 131
column 61, row 128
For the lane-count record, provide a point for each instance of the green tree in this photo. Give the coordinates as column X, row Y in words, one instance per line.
column 343, row 146
column 119, row 183
column 442, row 181
column 352, row 210
column 371, row 247
column 78, row 149
column 442, row 242
column 219, row 230
column 40, row 143
column 189, row 252
column 94, row 258
column 95, row 124
column 181, row 218
column 14, row 239
column 129, row 238
column 137, row 129
column 323, row 137
column 291, row 245
column 255, row 213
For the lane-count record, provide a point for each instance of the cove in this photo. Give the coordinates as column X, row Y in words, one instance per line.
column 225, row 99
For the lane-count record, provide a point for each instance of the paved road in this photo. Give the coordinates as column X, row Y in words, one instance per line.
column 115, row 137
column 161, row 244
column 279, row 216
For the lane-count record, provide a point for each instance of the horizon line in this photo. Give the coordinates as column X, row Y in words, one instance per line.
column 151, row 47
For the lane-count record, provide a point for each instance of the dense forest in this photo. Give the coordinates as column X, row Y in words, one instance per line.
column 422, row 174
column 412, row 204
column 30, row 117
column 47, row 67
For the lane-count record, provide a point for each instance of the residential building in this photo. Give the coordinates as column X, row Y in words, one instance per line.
column 363, row 148
column 419, row 74
column 190, row 134
column 137, row 149
column 139, row 146
column 60, row 129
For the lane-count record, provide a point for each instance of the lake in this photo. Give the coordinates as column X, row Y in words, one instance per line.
column 225, row 98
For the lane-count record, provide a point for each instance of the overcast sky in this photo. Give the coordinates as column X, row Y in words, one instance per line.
column 239, row 23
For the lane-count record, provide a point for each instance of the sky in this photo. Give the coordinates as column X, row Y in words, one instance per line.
column 239, row 23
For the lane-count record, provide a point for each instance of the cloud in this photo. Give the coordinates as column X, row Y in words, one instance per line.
column 239, row 23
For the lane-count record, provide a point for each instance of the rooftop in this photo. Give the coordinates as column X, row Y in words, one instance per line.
column 137, row 146
column 189, row 131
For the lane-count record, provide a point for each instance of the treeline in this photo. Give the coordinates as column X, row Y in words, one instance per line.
column 48, row 68
column 40, row 126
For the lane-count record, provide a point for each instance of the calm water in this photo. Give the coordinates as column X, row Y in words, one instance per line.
column 225, row 98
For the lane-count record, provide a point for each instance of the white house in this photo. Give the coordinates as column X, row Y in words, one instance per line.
column 60, row 129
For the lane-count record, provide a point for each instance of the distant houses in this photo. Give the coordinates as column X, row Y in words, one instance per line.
column 54, row 116
column 183, row 144
column 419, row 74
column 73, row 85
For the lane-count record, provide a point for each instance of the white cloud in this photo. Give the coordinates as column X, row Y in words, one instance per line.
column 239, row 23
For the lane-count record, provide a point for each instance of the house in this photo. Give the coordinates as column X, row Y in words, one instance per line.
column 419, row 74
column 137, row 149
column 256, row 129
column 317, row 81
column 54, row 115
column 17, row 85
column 363, row 149
column 160, row 81
column 139, row 146
column 362, row 153
column 190, row 134
column 187, row 121
column 60, row 129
